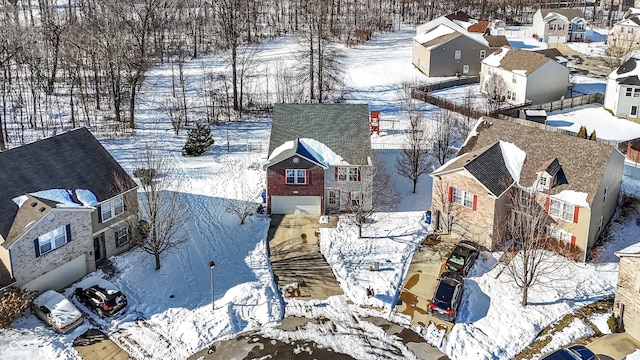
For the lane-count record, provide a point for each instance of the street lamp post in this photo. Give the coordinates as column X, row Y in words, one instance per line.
column 211, row 266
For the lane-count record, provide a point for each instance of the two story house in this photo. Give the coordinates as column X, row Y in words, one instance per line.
column 576, row 181
column 626, row 32
column 559, row 25
column 626, row 306
column 61, row 212
column 319, row 159
column 622, row 96
column 453, row 45
column 528, row 76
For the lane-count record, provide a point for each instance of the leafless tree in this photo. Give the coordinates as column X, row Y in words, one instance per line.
column 374, row 194
column 245, row 205
column 616, row 54
column 523, row 234
column 465, row 122
column 413, row 160
column 446, row 215
column 161, row 209
column 495, row 90
column 443, row 133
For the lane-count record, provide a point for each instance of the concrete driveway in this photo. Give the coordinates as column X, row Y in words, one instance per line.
column 299, row 267
column 420, row 282
column 95, row 345
column 614, row 346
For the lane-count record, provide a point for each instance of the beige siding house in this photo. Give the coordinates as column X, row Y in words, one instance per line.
column 528, row 76
column 626, row 32
column 61, row 213
column 578, row 188
column 626, row 307
column 559, row 25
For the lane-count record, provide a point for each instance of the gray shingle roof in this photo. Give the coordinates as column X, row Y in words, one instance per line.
column 489, row 168
column 344, row 128
column 568, row 13
column 73, row 160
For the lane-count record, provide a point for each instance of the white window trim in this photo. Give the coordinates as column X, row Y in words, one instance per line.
column 50, row 238
column 462, row 198
column 543, row 180
column 355, row 198
column 558, row 233
column 560, row 211
column 123, row 233
column 457, row 54
column 111, row 208
column 295, row 174
column 335, row 197
column 483, row 54
column 525, row 198
column 348, row 173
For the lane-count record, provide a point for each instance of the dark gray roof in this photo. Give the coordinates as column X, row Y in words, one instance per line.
column 73, row 160
column 489, row 168
column 344, row 128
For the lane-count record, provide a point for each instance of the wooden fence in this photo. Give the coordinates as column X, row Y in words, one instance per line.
column 557, row 105
column 420, row 94
column 464, row 80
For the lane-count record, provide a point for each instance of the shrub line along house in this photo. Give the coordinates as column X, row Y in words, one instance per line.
column 453, row 45
column 622, row 96
column 529, row 76
column 559, row 25
column 319, row 158
column 61, row 212
column 576, row 181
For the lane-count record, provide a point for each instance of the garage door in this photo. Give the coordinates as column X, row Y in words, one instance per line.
column 295, row 204
column 61, row 276
column 556, row 39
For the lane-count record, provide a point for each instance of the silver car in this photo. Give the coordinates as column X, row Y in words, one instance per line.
column 57, row 311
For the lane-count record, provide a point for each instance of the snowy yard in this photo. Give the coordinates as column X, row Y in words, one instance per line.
column 170, row 316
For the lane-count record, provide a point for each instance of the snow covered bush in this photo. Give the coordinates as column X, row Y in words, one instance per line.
column 198, row 141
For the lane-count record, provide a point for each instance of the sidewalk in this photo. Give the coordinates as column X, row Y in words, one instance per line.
column 614, row 346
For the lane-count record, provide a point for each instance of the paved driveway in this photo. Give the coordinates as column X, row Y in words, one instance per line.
column 95, row 345
column 299, row 267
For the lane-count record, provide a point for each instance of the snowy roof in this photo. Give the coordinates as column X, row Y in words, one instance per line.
column 343, row 128
column 628, row 73
column 515, row 60
column 433, row 34
column 309, row 149
column 72, row 160
column 565, row 14
column 633, row 250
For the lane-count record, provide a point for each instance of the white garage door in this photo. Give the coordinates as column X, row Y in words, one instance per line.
column 61, row 276
column 556, row 39
column 295, row 204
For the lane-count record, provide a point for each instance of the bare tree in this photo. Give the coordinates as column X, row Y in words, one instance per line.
column 375, row 194
column 413, row 160
column 616, row 54
column 465, row 122
column 443, row 133
column 495, row 90
column 245, row 205
column 446, row 215
column 161, row 209
column 523, row 234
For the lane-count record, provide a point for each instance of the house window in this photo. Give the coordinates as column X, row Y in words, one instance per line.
column 636, row 92
column 551, row 27
column 634, row 111
column 562, row 210
column 570, row 27
column 296, row 176
column 559, row 234
column 348, row 174
column 580, row 27
column 525, row 198
column 629, row 92
column 604, row 196
column 333, row 197
column 511, row 95
column 560, row 26
column 112, row 208
column 513, row 78
column 465, row 69
column 122, row 236
column 544, row 181
column 462, row 197
column 489, row 71
column 356, row 198
column 458, row 54
column 52, row 240
column 483, row 54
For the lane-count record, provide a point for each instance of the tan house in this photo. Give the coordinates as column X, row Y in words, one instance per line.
column 453, row 45
column 626, row 32
column 576, row 181
column 559, row 25
column 528, row 76
column 626, row 307
column 61, row 214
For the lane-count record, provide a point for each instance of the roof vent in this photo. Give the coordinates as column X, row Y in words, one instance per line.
column 42, row 209
column 33, row 204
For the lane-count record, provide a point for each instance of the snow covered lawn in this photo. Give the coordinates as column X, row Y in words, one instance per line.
column 594, row 117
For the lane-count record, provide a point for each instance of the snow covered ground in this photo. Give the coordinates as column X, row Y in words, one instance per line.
column 170, row 313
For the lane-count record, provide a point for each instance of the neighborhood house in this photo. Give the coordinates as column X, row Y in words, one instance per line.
column 319, row 159
column 622, row 96
column 626, row 32
column 576, row 181
column 61, row 213
column 559, row 25
column 626, row 307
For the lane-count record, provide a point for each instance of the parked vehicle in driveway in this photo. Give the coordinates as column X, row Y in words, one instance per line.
column 102, row 297
column 462, row 257
column 57, row 311
column 575, row 352
column 447, row 297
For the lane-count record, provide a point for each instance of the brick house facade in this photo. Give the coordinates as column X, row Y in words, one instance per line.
column 626, row 307
column 313, row 186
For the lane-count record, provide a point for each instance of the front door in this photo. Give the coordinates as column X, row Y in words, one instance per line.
column 98, row 247
column 634, row 111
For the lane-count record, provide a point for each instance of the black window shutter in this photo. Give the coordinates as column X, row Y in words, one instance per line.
column 99, row 208
column 68, row 228
column 36, row 244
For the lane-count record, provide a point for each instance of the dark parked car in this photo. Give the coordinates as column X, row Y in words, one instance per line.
column 103, row 298
column 462, row 257
column 576, row 352
column 447, row 296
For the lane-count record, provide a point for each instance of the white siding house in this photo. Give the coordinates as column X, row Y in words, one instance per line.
column 622, row 96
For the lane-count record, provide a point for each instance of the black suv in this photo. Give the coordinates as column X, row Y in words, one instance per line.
column 462, row 257
column 447, row 296
column 104, row 300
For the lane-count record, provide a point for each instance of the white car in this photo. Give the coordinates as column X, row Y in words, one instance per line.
column 56, row 310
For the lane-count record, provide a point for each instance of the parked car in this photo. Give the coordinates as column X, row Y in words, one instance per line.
column 462, row 257
column 447, row 296
column 575, row 352
column 102, row 297
column 57, row 311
